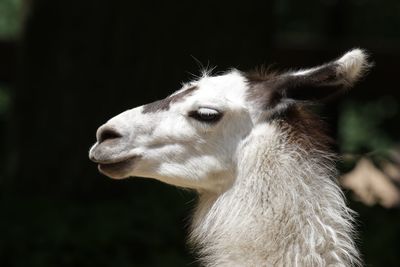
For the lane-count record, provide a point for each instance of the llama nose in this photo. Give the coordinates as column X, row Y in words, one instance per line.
column 106, row 133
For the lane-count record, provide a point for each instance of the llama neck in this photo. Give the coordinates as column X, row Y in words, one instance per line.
column 284, row 209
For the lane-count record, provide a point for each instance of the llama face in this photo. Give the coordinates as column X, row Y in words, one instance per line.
column 192, row 138
column 188, row 139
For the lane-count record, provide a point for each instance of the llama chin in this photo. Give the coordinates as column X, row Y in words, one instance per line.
column 259, row 160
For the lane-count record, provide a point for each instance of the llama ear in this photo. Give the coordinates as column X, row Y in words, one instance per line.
column 326, row 80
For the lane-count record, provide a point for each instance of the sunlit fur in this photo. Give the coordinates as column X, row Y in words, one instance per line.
column 284, row 209
column 264, row 198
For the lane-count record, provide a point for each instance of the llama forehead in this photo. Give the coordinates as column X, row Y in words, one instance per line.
column 213, row 91
column 231, row 85
column 164, row 104
column 224, row 92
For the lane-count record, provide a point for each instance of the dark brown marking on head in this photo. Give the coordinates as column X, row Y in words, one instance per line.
column 302, row 127
column 261, row 74
column 165, row 103
column 325, row 74
column 275, row 91
column 262, row 87
column 317, row 85
column 305, row 129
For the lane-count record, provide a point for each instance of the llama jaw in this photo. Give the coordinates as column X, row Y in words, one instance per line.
column 118, row 169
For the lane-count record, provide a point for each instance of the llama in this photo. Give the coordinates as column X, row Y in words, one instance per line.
column 258, row 159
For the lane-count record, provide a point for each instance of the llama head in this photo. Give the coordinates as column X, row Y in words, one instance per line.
column 192, row 138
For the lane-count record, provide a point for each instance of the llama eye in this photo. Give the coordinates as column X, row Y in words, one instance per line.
column 206, row 115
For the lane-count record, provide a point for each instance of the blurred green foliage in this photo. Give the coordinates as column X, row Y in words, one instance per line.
column 363, row 126
column 370, row 129
column 10, row 18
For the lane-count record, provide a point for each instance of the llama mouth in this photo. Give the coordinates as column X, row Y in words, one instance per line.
column 118, row 169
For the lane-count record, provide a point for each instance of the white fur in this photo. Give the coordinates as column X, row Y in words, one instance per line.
column 263, row 201
column 353, row 64
column 284, row 209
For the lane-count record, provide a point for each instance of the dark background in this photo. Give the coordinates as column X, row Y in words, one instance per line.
column 75, row 64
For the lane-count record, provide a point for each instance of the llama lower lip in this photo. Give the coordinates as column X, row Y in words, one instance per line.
column 117, row 169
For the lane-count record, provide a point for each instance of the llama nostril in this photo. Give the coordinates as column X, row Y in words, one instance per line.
column 107, row 133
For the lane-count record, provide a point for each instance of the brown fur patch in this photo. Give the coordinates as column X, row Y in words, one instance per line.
column 165, row 103
column 261, row 74
column 284, row 97
column 305, row 129
column 317, row 85
column 270, row 86
column 262, row 87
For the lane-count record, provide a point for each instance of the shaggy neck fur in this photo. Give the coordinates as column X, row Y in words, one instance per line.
column 284, row 208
